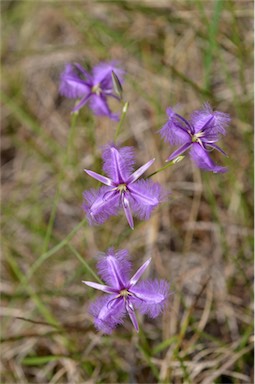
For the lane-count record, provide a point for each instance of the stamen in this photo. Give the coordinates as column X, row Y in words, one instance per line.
column 122, row 187
column 96, row 89
column 196, row 137
column 125, row 293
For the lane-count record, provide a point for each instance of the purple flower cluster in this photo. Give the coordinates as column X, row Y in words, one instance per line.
column 121, row 189
column 92, row 88
column 125, row 293
column 198, row 135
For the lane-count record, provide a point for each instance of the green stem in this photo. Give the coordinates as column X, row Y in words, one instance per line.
column 45, row 312
column 51, row 252
column 70, row 137
column 169, row 164
column 81, row 259
column 60, row 179
column 123, row 115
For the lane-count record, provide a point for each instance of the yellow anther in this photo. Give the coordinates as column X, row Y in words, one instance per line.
column 122, row 187
column 96, row 89
column 124, row 292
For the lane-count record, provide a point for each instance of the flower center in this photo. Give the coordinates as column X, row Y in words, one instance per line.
column 122, row 187
column 96, row 89
column 196, row 137
column 124, row 293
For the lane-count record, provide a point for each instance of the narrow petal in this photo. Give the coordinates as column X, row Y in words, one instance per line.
column 180, row 151
column 118, row 163
column 108, row 312
column 100, row 287
column 132, row 315
column 127, row 210
column 139, row 273
column 102, row 179
column 100, row 204
column 214, row 146
column 132, row 178
column 114, row 267
column 186, row 123
column 81, row 103
column 203, row 160
column 85, row 73
column 150, row 296
column 145, row 195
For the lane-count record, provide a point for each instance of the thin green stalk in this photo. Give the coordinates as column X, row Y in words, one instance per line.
column 145, row 350
column 81, row 259
column 71, row 136
column 52, row 219
column 169, row 164
column 212, row 42
column 28, row 121
column 122, row 118
column 60, row 179
column 52, row 251
column 91, row 133
column 39, row 304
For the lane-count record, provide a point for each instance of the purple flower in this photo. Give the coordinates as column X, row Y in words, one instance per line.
column 149, row 297
column 94, row 88
column 122, row 188
column 199, row 135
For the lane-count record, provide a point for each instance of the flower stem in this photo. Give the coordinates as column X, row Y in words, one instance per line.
column 81, row 259
column 123, row 115
column 169, row 164
column 52, row 251
column 60, row 178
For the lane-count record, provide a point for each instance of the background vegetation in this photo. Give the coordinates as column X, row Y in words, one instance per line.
column 184, row 52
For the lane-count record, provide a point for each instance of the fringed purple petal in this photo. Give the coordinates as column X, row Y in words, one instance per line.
column 118, row 162
column 114, row 268
column 203, row 160
column 218, row 124
column 71, row 85
column 174, row 131
column 145, row 195
column 102, row 74
column 150, row 296
column 100, row 204
column 108, row 312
